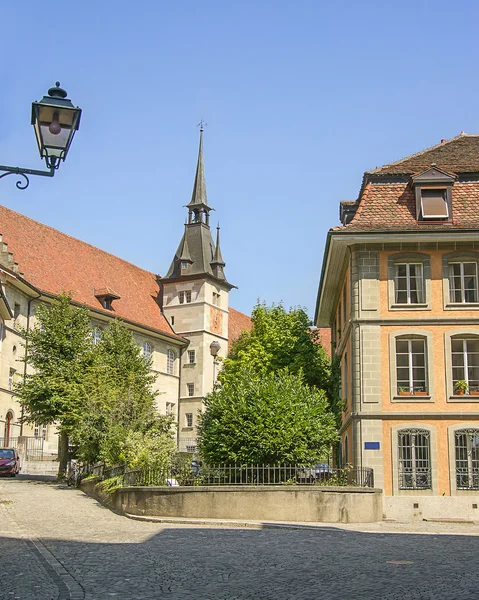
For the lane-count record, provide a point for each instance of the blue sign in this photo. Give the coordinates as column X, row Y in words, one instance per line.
column 371, row 445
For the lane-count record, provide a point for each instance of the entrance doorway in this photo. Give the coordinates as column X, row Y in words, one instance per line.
column 8, row 428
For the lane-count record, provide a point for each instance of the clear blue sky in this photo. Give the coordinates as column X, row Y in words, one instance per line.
column 300, row 99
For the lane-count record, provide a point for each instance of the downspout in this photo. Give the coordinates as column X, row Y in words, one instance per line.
column 26, row 354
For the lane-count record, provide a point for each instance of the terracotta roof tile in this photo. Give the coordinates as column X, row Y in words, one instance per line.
column 53, row 262
column 393, row 206
column 237, row 323
column 457, row 155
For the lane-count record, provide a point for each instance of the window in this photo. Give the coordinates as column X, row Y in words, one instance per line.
column 170, row 408
column 170, row 362
column 188, row 296
column 411, row 365
column 414, row 459
column 147, row 350
column 344, row 305
column 465, row 363
column 467, row 459
column 181, row 297
column 191, row 357
column 184, row 265
column 40, row 428
column 11, row 379
column 191, row 389
column 344, row 385
column 172, row 320
column 106, row 303
column 96, row 335
column 189, row 419
column 434, row 204
column 16, row 313
column 190, row 448
column 463, row 282
column 408, row 283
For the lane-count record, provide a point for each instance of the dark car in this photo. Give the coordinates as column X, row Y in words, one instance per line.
column 9, row 462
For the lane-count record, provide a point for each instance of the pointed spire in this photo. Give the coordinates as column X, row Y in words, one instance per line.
column 198, row 197
column 218, row 259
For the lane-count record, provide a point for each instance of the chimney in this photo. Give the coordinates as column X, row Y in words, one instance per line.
column 443, row 141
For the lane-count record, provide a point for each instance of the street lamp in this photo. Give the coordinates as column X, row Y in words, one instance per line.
column 55, row 121
column 214, row 349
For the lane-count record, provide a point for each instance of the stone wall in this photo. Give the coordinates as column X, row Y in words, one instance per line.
column 262, row 503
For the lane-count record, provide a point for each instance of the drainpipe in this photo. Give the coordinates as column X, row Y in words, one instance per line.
column 26, row 354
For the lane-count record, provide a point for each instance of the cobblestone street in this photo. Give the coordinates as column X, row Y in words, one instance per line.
column 56, row 543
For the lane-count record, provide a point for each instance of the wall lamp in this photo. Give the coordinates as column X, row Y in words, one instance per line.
column 55, row 121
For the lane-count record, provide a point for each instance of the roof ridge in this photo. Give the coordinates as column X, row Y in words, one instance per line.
column 416, row 154
column 76, row 239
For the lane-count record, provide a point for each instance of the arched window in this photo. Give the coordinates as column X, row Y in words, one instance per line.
column 466, row 442
column 414, row 466
column 96, row 335
column 147, row 349
column 170, row 362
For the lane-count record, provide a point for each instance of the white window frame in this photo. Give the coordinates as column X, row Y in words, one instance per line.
column 170, row 362
column 191, row 389
column 419, row 290
column 465, row 353
column 463, row 287
column 11, row 378
column 189, row 419
column 96, row 335
column 181, row 297
column 191, row 357
column 188, row 296
column 147, row 349
column 410, row 354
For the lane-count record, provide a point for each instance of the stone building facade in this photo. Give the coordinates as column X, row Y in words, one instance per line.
column 399, row 287
column 174, row 318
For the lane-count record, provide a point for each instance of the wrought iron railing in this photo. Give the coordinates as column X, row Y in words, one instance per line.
column 467, row 479
column 198, row 474
column 29, row 447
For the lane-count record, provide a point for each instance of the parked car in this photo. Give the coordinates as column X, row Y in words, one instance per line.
column 9, row 462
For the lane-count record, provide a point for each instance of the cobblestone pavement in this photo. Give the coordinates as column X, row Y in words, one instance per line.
column 56, row 543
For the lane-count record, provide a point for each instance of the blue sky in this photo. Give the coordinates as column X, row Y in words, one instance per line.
column 300, row 99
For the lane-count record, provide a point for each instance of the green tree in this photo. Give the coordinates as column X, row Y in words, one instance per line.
column 265, row 418
column 119, row 422
column 58, row 351
column 280, row 339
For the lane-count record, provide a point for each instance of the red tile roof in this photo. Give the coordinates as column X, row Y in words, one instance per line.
column 458, row 155
column 387, row 200
column 53, row 262
column 237, row 322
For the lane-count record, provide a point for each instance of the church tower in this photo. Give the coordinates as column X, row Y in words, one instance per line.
column 195, row 302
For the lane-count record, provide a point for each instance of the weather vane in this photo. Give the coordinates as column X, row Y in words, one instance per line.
column 202, row 125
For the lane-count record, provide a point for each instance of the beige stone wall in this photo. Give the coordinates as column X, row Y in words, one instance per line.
column 282, row 503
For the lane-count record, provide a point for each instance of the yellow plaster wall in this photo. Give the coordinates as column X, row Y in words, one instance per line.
column 437, row 304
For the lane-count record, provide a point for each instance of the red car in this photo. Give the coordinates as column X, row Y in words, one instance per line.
column 9, row 462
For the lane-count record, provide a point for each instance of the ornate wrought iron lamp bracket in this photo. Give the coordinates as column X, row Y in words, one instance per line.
column 22, row 185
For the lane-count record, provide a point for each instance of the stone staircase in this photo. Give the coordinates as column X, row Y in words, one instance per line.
column 39, row 467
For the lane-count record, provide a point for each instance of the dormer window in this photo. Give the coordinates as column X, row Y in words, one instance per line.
column 434, row 204
column 106, row 296
column 185, row 265
column 433, row 191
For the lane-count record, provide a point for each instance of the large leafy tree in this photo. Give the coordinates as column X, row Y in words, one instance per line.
column 280, row 339
column 265, row 418
column 58, row 352
column 120, row 421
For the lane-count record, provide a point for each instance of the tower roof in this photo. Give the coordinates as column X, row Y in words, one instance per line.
column 198, row 197
column 196, row 246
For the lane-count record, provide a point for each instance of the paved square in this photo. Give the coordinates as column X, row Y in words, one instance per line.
column 56, row 543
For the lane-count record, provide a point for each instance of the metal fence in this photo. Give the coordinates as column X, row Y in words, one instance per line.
column 29, row 448
column 198, row 474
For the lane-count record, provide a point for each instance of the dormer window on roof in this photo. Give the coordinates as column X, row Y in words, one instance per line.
column 106, row 296
column 433, row 190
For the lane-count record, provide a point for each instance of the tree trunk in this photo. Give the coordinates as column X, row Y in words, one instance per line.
column 62, row 454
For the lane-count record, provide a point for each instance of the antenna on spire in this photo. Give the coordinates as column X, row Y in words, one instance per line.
column 202, row 125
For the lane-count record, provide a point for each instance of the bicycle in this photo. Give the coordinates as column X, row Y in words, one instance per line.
column 75, row 475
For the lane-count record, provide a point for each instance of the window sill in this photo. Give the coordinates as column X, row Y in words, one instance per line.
column 397, row 307
column 187, row 428
column 462, row 306
column 464, row 398
column 412, row 399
